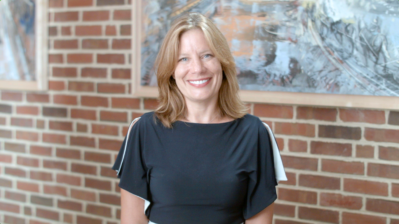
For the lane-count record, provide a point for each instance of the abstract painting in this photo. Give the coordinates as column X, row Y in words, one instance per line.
column 346, row 47
column 20, row 43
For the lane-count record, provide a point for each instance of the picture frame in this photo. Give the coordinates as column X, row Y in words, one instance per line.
column 39, row 80
column 256, row 96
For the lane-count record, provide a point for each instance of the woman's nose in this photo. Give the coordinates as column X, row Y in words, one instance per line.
column 198, row 66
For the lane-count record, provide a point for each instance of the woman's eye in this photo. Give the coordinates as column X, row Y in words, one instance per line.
column 183, row 59
column 207, row 56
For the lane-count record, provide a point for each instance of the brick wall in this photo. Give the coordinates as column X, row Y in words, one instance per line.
column 57, row 146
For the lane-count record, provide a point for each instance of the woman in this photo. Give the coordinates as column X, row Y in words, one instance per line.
column 199, row 158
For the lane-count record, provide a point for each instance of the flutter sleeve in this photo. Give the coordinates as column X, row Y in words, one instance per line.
column 269, row 171
column 130, row 166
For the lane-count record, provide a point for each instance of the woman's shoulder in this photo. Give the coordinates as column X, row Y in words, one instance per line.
column 251, row 119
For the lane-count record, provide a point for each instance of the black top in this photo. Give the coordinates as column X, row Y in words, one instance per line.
column 199, row 173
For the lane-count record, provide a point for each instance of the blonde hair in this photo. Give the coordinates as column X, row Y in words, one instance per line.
column 171, row 100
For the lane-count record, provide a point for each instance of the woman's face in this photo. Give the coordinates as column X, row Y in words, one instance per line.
column 198, row 73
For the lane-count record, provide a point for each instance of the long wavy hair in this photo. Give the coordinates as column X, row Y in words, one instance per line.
column 171, row 101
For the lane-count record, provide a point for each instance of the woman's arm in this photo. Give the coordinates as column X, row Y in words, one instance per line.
column 263, row 217
column 132, row 209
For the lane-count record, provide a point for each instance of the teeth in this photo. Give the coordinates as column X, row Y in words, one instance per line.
column 199, row 82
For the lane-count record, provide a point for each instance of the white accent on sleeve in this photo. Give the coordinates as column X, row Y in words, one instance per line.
column 278, row 163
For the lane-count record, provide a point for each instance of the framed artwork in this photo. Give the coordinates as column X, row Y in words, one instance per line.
column 23, row 44
column 304, row 52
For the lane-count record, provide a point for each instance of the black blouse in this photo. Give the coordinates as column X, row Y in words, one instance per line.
column 199, row 173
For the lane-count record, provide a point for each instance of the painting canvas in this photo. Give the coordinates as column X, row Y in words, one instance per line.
column 22, row 58
column 331, row 49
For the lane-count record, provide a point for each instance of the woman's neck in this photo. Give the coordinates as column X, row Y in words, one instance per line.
column 201, row 113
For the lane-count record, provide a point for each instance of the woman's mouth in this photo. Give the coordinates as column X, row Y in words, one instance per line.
column 199, row 83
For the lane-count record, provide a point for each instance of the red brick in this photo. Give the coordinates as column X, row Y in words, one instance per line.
column 353, row 218
column 56, row 85
column 55, row 58
column 52, row 31
column 15, row 196
column 341, row 201
column 14, row 147
column 94, row 44
column 94, row 72
column 364, row 151
column 85, row 169
column 47, row 214
column 382, row 135
column 110, row 30
column 81, row 127
column 14, row 172
column 107, row 2
column 393, row 118
column 389, row 153
column 102, row 15
column 98, row 184
column 66, row 31
column 85, row 220
column 84, row 114
column 56, row 190
column 121, row 73
column 82, row 141
column 97, row 157
column 11, row 96
column 127, row 103
column 37, row 222
column 43, row 176
column 382, row 206
column 94, row 30
column 122, row 14
column 65, row 72
column 8, row 207
column 94, row 101
column 66, row 44
column 80, row 58
column 307, row 130
column 121, row 44
column 56, row 3
column 25, row 186
column 318, row 215
column 5, row 183
column 280, row 143
column 110, row 199
column 65, row 99
column 81, row 86
column 110, row 144
column 83, row 195
column 61, row 126
column 69, row 205
column 38, row 200
column 337, row 166
column 66, row 16
column 126, row 30
column 27, row 161
column 113, row 116
column 383, row 170
column 40, row 150
column 111, row 58
column 332, row 149
column 395, row 190
column 284, row 210
column 55, row 165
column 276, row 111
column 297, row 145
column 364, row 116
column 54, row 138
column 80, row 3
column 298, row 196
column 98, row 210
column 68, row 153
column 330, row 131
column 3, row 121
column 107, row 172
column 300, row 163
column 21, row 122
column 105, row 129
column 36, row 97
column 28, row 110
column 320, row 182
column 5, row 158
column 311, row 113
column 366, row 187
column 69, row 179
column 28, row 136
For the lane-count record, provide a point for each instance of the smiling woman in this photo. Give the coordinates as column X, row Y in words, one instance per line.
column 199, row 158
